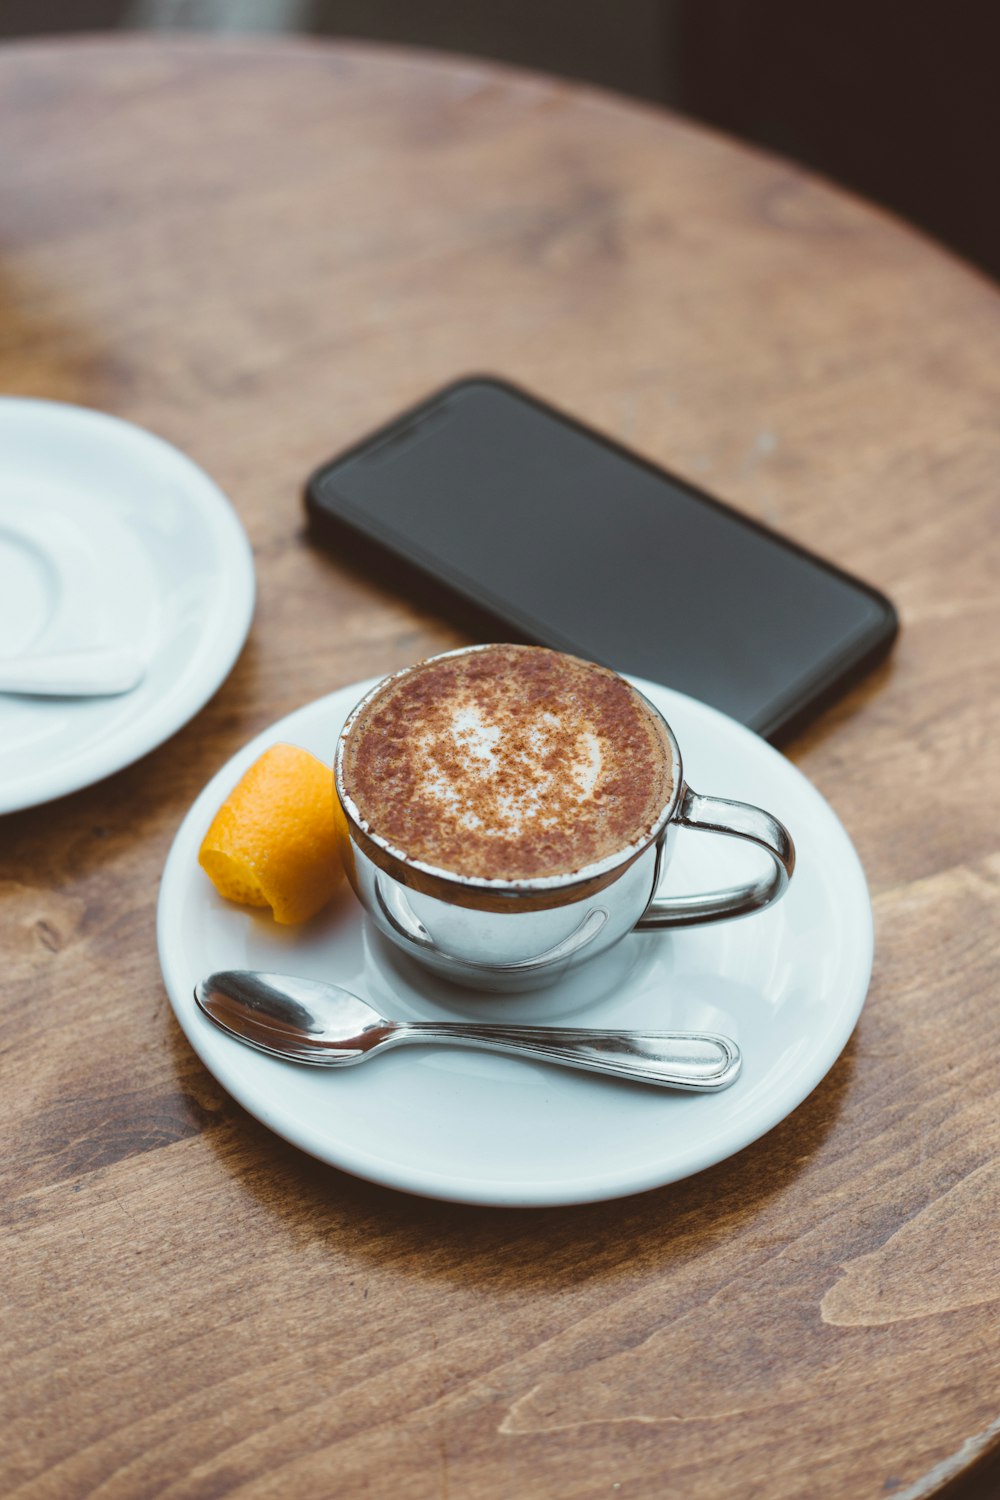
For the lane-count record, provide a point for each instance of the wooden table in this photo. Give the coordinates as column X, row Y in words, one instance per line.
column 260, row 251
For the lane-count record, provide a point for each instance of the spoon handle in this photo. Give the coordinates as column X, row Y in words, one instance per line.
column 101, row 672
column 698, row 1061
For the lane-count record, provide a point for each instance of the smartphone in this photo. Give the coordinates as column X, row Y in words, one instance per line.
column 525, row 525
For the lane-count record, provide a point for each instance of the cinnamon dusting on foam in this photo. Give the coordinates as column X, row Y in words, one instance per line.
column 508, row 763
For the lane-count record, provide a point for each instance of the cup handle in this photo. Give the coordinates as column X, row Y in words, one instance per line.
column 738, row 820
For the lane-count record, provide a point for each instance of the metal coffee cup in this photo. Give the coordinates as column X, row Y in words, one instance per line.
column 516, row 934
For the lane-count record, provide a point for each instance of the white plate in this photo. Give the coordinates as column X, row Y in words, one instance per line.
column 788, row 983
column 109, row 537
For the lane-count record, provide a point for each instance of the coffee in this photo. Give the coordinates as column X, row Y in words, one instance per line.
column 507, row 763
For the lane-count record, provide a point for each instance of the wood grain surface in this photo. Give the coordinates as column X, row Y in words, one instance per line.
column 260, row 251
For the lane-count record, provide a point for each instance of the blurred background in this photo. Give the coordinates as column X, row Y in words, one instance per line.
column 894, row 98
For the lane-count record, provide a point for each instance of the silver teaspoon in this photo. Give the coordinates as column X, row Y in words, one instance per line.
column 309, row 1021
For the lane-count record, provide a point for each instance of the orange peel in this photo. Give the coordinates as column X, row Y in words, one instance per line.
column 274, row 841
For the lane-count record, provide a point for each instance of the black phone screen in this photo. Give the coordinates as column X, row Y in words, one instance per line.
column 580, row 545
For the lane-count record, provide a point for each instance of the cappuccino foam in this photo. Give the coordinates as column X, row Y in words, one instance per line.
column 509, row 763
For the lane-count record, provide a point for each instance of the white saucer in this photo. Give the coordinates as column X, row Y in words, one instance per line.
column 787, row 983
column 109, row 537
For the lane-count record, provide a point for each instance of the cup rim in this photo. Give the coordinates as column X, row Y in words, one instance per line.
column 395, row 861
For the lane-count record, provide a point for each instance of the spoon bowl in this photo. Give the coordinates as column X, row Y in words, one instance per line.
column 311, row 1021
